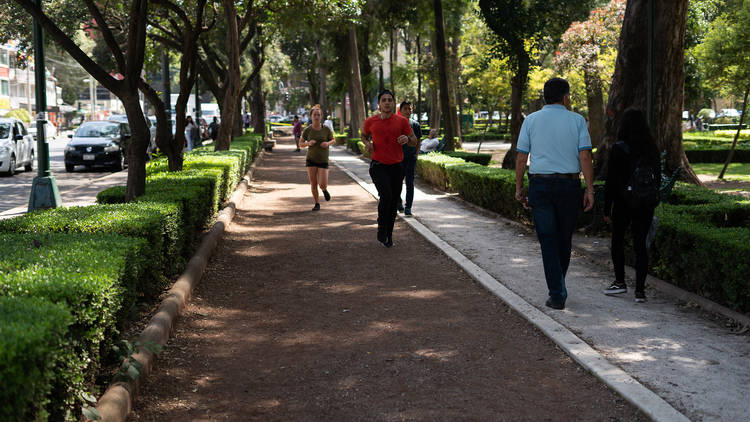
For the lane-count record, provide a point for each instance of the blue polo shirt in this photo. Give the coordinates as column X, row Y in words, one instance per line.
column 553, row 137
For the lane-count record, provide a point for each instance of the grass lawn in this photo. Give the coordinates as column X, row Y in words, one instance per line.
column 736, row 171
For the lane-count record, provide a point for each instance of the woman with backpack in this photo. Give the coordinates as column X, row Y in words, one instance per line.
column 631, row 195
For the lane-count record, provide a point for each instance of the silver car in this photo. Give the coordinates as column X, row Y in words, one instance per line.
column 16, row 146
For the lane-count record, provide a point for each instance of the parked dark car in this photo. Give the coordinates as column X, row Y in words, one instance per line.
column 123, row 118
column 98, row 144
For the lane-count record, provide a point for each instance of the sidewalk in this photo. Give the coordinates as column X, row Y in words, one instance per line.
column 305, row 316
column 694, row 363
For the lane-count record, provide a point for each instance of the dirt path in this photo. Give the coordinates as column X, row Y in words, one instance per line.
column 303, row 316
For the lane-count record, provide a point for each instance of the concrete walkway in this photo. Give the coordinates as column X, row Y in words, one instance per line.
column 693, row 362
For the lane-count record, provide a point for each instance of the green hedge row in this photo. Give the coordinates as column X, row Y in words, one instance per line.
column 741, row 155
column 472, row 157
column 88, row 268
column 703, row 241
column 94, row 278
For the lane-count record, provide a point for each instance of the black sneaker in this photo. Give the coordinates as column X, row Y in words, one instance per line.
column 407, row 211
column 616, row 288
column 297, row 150
column 388, row 242
column 316, row 207
column 400, row 207
column 554, row 304
column 326, row 195
column 640, row 297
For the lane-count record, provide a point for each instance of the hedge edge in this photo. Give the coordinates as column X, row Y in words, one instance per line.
column 117, row 402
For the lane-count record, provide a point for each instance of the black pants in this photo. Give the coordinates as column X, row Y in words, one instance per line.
column 639, row 222
column 387, row 179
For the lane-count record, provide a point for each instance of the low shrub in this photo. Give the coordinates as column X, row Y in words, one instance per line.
column 744, row 133
column 94, row 276
column 715, row 155
column 32, row 342
column 472, row 157
column 432, row 168
column 694, row 253
column 476, row 137
column 353, row 144
column 158, row 223
column 363, row 150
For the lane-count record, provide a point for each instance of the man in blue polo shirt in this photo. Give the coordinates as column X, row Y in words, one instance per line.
column 557, row 143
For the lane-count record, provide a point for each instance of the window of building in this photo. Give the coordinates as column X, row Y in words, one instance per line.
column 4, row 58
column 4, row 88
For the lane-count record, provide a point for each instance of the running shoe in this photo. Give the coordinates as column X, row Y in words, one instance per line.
column 407, row 211
column 640, row 297
column 316, row 207
column 326, row 195
column 616, row 288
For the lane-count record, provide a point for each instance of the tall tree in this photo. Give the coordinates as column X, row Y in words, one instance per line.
column 629, row 85
column 127, row 45
column 451, row 131
column 725, row 58
column 524, row 30
column 582, row 46
column 175, row 28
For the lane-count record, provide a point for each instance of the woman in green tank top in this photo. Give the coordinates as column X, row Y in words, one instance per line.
column 317, row 138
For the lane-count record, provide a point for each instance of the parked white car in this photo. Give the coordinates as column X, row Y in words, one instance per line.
column 16, row 146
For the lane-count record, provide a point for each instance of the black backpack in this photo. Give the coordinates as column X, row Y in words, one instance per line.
column 642, row 189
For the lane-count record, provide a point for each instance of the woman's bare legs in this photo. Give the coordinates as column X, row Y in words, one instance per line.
column 312, row 174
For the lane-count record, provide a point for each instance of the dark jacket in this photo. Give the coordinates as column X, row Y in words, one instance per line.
column 620, row 166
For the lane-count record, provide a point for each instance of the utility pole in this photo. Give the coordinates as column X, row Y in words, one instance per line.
column 44, row 192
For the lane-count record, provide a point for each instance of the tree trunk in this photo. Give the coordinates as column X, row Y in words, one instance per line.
column 137, row 146
column 392, row 58
column 233, row 78
column 356, row 97
column 323, row 100
column 445, row 102
column 455, row 71
column 736, row 136
column 434, row 117
column 629, row 84
column 164, row 138
column 595, row 103
column 518, row 86
column 257, row 106
column 342, row 118
column 419, row 81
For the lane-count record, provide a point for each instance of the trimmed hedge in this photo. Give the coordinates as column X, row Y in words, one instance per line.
column 741, row 155
column 353, row 144
column 158, row 223
column 433, row 168
column 32, row 341
column 472, row 157
column 92, row 276
column 488, row 187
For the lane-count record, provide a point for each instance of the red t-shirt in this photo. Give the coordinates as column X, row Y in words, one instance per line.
column 384, row 133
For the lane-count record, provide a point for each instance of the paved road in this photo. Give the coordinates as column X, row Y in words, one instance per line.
column 77, row 188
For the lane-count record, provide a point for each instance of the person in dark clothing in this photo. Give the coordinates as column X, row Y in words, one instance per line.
column 213, row 129
column 410, row 158
column 635, row 144
column 384, row 134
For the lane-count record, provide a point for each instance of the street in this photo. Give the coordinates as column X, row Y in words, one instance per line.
column 77, row 188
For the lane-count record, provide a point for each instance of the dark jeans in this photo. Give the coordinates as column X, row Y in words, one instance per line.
column 387, row 179
column 555, row 204
column 639, row 222
column 410, row 164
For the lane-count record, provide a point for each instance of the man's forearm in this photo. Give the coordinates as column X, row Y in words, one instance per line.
column 520, row 169
column 587, row 168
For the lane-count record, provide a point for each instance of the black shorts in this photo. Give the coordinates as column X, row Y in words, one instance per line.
column 310, row 163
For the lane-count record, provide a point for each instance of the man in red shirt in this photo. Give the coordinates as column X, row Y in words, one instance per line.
column 383, row 135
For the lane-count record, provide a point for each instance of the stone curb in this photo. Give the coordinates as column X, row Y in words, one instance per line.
column 117, row 401
column 617, row 379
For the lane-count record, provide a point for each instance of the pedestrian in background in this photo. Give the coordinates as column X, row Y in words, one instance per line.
column 329, row 124
column 631, row 195
column 189, row 131
column 410, row 158
column 297, row 131
column 383, row 135
column 431, row 143
column 556, row 142
column 213, row 129
column 318, row 139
